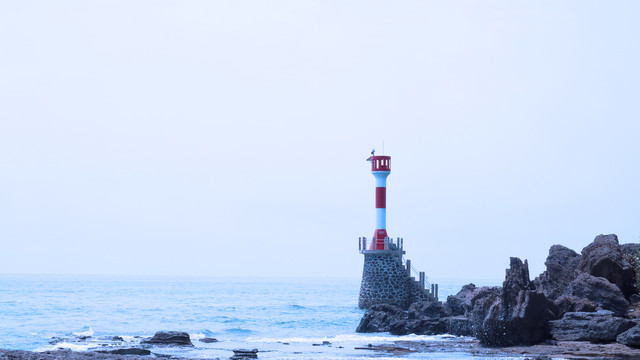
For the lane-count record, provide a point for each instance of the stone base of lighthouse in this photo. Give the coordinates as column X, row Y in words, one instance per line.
column 386, row 280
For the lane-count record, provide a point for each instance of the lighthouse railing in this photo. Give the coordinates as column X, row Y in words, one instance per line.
column 389, row 246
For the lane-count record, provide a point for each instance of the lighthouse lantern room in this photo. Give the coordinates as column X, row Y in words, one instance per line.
column 380, row 168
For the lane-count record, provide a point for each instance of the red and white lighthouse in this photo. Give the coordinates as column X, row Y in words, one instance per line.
column 380, row 168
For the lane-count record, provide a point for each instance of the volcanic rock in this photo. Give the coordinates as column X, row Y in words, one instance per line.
column 570, row 303
column 170, row 338
column 520, row 315
column 131, row 351
column 598, row 290
column 208, row 340
column 598, row 327
column 561, row 266
column 460, row 303
column 379, row 318
column 630, row 337
column 604, row 257
column 428, row 309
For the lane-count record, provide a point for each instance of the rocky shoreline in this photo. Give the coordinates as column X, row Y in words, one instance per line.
column 588, row 298
column 467, row 345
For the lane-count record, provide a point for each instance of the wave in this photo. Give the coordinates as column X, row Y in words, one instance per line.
column 354, row 338
column 239, row 331
column 86, row 332
column 66, row 345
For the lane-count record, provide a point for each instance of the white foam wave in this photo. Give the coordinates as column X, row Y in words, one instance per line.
column 85, row 333
column 66, row 345
column 197, row 336
column 354, row 338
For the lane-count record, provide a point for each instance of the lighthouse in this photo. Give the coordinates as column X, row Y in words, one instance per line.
column 387, row 277
column 380, row 168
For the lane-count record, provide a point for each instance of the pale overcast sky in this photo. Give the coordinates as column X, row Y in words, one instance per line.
column 229, row 138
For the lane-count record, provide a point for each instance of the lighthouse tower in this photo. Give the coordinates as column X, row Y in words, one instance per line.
column 387, row 278
column 380, row 168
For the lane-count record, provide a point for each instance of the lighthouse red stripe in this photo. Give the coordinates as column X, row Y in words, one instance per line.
column 381, row 198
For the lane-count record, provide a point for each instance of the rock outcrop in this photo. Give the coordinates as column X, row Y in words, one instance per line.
column 561, row 267
column 380, row 317
column 521, row 314
column 579, row 297
column 597, row 327
column 599, row 291
column 630, row 337
column 170, row 338
column 604, row 257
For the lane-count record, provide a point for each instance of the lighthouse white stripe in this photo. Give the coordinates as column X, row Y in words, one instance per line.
column 381, row 218
column 381, row 178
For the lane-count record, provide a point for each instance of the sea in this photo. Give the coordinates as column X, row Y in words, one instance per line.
column 284, row 318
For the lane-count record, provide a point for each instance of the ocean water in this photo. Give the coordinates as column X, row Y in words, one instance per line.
column 283, row 318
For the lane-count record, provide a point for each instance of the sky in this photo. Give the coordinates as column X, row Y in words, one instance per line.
column 229, row 138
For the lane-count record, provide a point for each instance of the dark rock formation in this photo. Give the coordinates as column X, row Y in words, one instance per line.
column 379, row 318
column 239, row 354
column 424, row 318
column 570, row 303
column 561, row 267
column 170, row 338
column 599, row 291
column 428, row 309
column 460, row 303
column 520, row 316
column 131, row 351
column 208, row 340
column 458, row 325
column 630, row 337
column 578, row 298
column 605, row 258
column 598, row 327
column 423, row 326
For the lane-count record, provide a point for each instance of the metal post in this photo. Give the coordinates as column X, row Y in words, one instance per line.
column 409, row 266
column 421, row 279
column 360, row 243
column 433, row 290
column 436, row 292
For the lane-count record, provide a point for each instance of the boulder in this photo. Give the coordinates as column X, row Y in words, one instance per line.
column 561, row 267
column 598, row 290
column 458, row 325
column 130, row 351
column 170, row 338
column 423, row 326
column 428, row 309
column 598, row 327
column 604, row 258
column 570, row 303
column 630, row 337
column 520, row 315
column 460, row 303
column 208, row 340
column 380, row 317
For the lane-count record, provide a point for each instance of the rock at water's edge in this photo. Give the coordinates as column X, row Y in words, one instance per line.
column 131, row 351
column 170, row 338
column 599, row 291
column 599, row 327
column 520, row 315
column 379, row 318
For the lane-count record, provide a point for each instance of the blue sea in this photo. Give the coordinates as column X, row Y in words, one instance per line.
column 283, row 318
